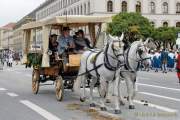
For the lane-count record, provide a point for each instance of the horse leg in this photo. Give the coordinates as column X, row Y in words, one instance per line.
column 130, row 88
column 117, row 93
column 102, row 98
column 113, row 85
column 92, row 84
column 135, row 89
column 83, row 97
column 121, row 100
column 107, row 90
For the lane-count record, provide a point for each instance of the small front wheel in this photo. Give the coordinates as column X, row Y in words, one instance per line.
column 59, row 88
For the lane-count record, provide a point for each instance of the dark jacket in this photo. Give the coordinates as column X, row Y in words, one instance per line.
column 81, row 43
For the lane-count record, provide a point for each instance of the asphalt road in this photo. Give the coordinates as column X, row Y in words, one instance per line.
column 162, row 91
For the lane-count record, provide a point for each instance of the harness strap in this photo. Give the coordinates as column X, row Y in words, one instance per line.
column 127, row 66
column 86, row 62
column 87, row 72
column 95, row 66
column 106, row 61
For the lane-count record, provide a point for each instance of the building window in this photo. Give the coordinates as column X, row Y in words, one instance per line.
column 89, row 7
column 152, row 24
column 81, row 10
column 109, row 6
column 78, row 10
column 69, row 2
column 178, row 8
column 85, row 9
column 124, row 6
column 138, row 7
column 178, row 24
column 165, row 7
column 75, row 11
column 152, row 7
column 165, row 24
column 72, row 12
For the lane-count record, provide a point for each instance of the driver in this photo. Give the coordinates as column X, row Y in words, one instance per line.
column 66, row 43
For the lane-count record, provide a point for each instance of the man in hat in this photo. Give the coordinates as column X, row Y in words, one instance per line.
column 65, row 41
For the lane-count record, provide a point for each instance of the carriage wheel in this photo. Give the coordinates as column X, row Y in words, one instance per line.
column 59, row 88
column 35, row 81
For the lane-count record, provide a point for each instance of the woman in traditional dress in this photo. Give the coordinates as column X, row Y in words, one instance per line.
column 171, row 60
column 156, row 61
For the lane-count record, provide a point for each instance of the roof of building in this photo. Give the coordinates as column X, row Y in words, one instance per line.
column 9, row 26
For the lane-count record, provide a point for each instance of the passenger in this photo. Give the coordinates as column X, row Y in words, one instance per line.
column 66, row 43
column 81, row 41
column 53, row 46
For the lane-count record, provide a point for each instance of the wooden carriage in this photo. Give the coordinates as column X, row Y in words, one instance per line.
column 63, row 75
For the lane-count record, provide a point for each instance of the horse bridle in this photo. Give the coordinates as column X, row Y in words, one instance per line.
column 106, row 60
column 140, row 52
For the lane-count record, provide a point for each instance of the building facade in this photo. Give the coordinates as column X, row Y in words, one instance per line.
column 18, row 34
column 7, row 39
column 159, row 12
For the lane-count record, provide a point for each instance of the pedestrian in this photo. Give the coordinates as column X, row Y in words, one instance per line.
column 178, row 65
column 171, row 61
column 164, row 58
column 156, row 61
column 10, row 59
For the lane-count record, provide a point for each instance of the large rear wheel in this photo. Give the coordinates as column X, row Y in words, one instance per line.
column 59, row 88
column 35, row 81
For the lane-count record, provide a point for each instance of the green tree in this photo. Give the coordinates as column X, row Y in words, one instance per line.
column 165, row 36
column 134, row 25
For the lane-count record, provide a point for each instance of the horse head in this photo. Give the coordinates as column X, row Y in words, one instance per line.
column 142, row 51
column 117, row 43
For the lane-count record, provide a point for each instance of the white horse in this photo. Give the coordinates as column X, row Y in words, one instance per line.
column 101, row 66
column 135, row 54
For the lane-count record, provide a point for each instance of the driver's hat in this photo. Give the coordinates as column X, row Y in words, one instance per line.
column 66, row 29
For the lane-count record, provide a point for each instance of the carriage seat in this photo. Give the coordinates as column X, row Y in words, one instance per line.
column 74, row 60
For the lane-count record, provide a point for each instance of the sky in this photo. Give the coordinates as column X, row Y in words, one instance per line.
column 14, row 10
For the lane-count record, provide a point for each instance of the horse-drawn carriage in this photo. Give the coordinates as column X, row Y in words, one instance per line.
column 36, row 39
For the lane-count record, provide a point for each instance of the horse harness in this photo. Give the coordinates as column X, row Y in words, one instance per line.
column 106, row 62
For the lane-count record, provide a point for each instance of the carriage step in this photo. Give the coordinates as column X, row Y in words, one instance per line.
column 46, row 84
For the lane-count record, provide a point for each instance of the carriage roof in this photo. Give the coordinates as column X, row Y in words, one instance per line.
column 71, row 21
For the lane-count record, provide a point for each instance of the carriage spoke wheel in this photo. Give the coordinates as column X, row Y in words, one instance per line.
column 35, row 81
column 59, row 88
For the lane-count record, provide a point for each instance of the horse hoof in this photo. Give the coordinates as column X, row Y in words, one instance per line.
column 117, row 111
column 131, row 107
column 92, row 105
column 82, row 99
column 108, row 101
column 103, row 109
column 122, row 103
